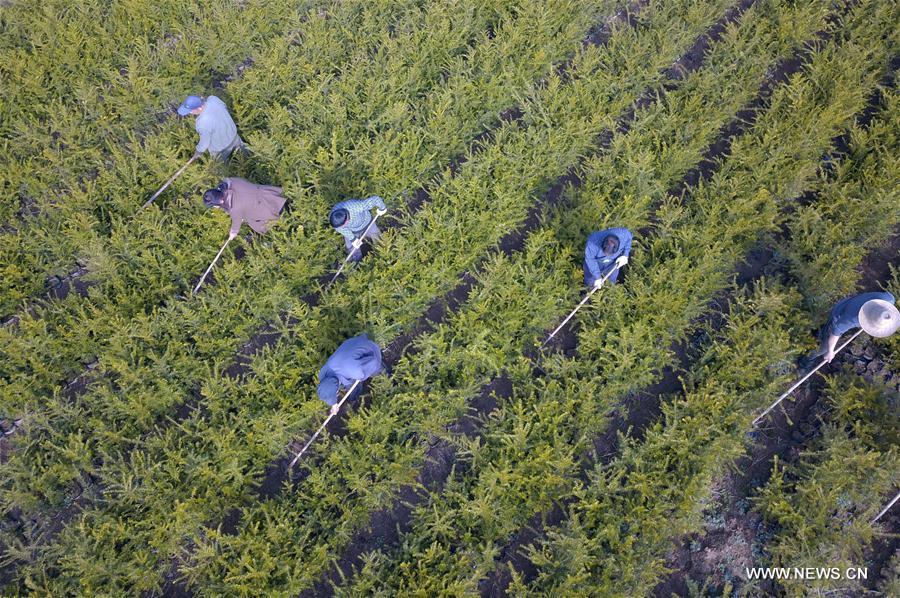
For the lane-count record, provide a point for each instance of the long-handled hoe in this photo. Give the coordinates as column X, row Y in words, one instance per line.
column 169, row 182
column 213, row 263
column 887, row 508
column 357, row 243
column 579, row 306
column 325, row 423
column 802, row 380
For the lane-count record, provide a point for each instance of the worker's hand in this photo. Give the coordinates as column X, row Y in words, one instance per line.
column 357, row 243
column 231, row 236
column 829, row 355
column 196, row 155
column 380, row 212
column 334, row 409
column 621, row 261
column 598, row 283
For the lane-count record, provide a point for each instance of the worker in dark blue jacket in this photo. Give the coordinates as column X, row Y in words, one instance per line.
column 357, row 358
column 605, row 253
column 875, row 313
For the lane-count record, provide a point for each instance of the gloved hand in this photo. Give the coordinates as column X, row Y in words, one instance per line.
column 357, row 243
column 381, row 212
column 334, row 409
column 621, row 261
column 598, row 283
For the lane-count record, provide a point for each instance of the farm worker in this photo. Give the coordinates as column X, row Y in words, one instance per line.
column 357, row 358
column 875, row 313
column 606, row 251
column 352, row 217
column 257, row 205
column 218, row 133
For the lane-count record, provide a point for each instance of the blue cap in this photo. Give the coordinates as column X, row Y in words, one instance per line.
column 189, row 103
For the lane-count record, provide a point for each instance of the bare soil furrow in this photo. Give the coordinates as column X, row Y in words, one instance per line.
column 441, row 307
column 643, row 409
column 785, row 433
column 440, row 455
column 788, row 429
column 441, row 452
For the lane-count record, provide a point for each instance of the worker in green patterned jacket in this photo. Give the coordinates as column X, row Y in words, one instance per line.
column 352, row 218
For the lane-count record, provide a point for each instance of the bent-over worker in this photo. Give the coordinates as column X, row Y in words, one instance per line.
column 606, row 251
column 357, row 358
column 218, row 133
column 874, row 312
column 351, row 218
column 257, row 205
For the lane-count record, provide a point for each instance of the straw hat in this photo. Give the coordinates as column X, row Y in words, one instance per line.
column 879, row 318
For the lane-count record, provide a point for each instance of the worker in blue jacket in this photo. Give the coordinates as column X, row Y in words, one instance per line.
column 606, row 251
column 357, row 358
column 874, row 312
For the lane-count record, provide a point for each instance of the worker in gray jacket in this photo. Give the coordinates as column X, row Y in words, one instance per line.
column 874, row 312
column 357, row 358
column 257, row 205
column 351, row 218
column 218, row 133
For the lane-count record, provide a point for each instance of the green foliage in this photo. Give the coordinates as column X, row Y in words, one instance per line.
column 364, row 97
column 88, row 95
column 856, row 210
column 618, row 534
column 515, row 470
column 615, row 539
column 823, row 505
column 274, row 407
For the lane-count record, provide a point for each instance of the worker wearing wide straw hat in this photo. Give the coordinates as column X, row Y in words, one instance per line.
column 875, row 313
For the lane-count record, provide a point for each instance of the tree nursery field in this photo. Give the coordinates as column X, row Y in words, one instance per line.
column 148, row 428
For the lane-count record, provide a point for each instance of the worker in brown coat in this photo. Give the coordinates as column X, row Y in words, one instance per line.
column 257, row 205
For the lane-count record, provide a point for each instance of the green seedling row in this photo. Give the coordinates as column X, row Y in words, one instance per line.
column 484, row 354
column 626, row 510
column 856, row 210
column 257, row 394
column 81, row 80
column 506, row 51
column 515, row 470
column 155, row 355
column 585, row 550
column 315, row 86
column 150, row 260
column 86, row 87
column 823, row 505
column 147, row 492
column 146, row 364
